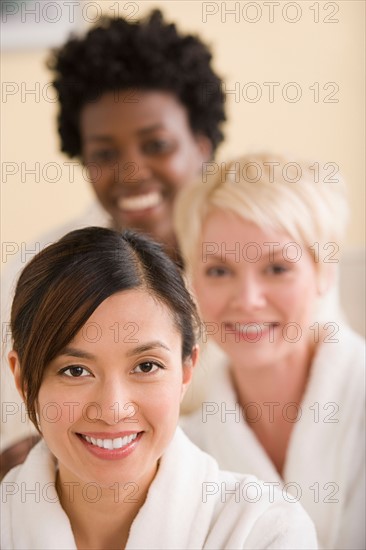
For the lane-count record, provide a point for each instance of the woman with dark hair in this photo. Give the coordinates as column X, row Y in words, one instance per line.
column 141, row 107
column 104, row 343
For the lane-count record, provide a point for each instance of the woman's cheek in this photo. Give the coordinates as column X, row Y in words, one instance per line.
column 58, row 408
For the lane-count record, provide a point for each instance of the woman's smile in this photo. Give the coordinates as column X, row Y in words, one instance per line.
column 111, row 448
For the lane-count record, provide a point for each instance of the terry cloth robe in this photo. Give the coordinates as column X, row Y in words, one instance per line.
column 190, row 505
column 15, row 424
column 325, row 460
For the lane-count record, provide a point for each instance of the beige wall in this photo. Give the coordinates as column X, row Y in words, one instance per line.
column 304, row 52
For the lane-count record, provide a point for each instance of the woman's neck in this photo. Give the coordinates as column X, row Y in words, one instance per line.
column 284, row 382
column 270, row 397
column 101, row 518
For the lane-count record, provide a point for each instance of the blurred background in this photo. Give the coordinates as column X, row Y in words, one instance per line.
column 294, row 75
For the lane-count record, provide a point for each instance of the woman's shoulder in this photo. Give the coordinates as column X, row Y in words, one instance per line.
column 38, row 466
column 261, row 511
column 28, row 496
column 337, row 385
column 341, row 351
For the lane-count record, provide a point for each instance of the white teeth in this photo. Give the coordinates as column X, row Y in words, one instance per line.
column 251, row 328
column 140, row 202
column 117, row 443
column 110, row 444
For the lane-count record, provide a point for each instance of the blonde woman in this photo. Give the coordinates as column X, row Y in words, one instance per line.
column 285, row 401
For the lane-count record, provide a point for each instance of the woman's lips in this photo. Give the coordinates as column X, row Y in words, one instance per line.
column 110, row 448
column 252, row 331
column 137, row 203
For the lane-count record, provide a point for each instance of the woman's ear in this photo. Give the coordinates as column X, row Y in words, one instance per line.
column 188, row 366
column 15, row 369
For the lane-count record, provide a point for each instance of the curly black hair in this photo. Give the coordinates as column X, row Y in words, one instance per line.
column 150, row 54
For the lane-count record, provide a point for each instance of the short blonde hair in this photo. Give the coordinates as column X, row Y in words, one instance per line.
column 305, row 200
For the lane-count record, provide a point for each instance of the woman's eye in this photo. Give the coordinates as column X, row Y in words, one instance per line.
column 147, row 368
column 157, row 146
column 104, row 156
column 75, row 371
column 277, row 269
column 218, row 271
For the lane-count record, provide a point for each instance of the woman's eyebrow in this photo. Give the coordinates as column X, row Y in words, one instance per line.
column 147, row 347
column 108, row 138
column 148, row 129
column 97, row 137
column 74, row 352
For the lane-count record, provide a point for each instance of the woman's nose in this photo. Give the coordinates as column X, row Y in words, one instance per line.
column 249, row 293
column 113, row 403
column 133, row 169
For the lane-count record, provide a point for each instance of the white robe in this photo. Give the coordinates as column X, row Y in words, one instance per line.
column 326, row 454
column 186, row 507
column 15, row 424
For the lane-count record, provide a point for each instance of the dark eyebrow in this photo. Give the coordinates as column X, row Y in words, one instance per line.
column 147, row 347
column 149, row 129
column 140, row 131
column 98, row 138
column 74, row 352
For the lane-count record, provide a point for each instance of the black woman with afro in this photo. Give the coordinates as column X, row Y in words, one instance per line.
column 142, row 108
